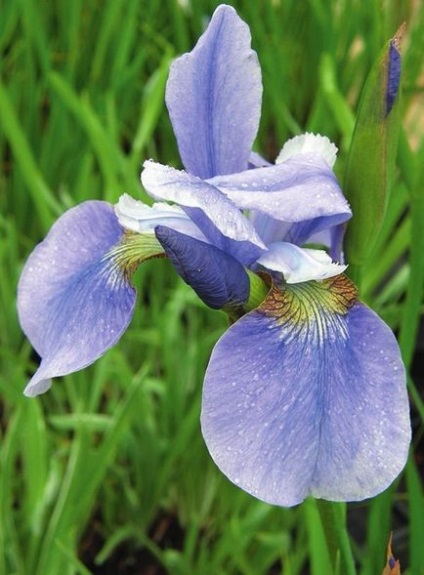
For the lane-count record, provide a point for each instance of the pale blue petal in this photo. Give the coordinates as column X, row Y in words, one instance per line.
column 306, row 396
column 214, row 214
column 302, row 190
column 331, row 238
column 74, row 303
column 214, row 96
column 257, row 161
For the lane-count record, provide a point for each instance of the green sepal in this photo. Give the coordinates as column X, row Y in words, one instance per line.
column 370, row 167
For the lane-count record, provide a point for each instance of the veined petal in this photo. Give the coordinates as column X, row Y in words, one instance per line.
column 309, row 144
column 299, row 264
column 135, row 216
column 217, row 278
column 214, row 97
column 215, row 215
column 300, row 189
column 307, row 396
column 74, row 302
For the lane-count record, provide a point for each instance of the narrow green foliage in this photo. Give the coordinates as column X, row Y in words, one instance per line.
column 415, row 291
column 333, row 524
column 320, row 559
column 43, row 198
column 416, row 513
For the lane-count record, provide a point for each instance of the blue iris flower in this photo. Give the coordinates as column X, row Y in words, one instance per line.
column 305, row 393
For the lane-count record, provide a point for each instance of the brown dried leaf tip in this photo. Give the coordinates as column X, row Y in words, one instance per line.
column 392, row 565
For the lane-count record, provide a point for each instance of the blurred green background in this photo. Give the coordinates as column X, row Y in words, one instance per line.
column 107, row 473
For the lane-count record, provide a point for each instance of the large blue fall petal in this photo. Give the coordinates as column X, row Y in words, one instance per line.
column 214, row 96
column 74, row 302
column 307, row 396
column 217, row 278
column 216, row 216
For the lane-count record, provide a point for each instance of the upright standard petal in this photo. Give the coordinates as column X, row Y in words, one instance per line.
column 215, row 215
column 74, row 300
column 214, row 97
column 307, row 396
column 217, row 278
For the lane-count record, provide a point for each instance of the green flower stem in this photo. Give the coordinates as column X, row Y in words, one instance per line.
column 333, row 521
column 258, row 291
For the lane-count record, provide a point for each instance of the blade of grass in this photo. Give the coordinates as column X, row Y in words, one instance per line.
column 416, row 517
column 415, row 292
column 44, row 201
column 320, row 561
column 107, row 153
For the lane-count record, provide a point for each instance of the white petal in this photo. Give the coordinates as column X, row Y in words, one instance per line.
column 138, row 217
column 298, row 264
column 306, row 144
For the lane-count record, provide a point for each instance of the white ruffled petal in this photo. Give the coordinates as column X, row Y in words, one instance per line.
column 137, row 217
column 306, row 144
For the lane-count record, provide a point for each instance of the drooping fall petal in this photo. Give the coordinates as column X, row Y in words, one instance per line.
column 306, row 396
column 74, row 302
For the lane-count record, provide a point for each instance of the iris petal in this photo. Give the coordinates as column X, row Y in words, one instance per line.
column 306, row 396
column 299, row 264
column 214, row 96
column 138, row 217
column 217, row 278
column 257, row 161
column 216, row 215
column 74, row 302
column 301, row 190
column 309, row 143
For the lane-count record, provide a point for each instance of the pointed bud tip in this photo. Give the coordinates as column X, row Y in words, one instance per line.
column 394, row 68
